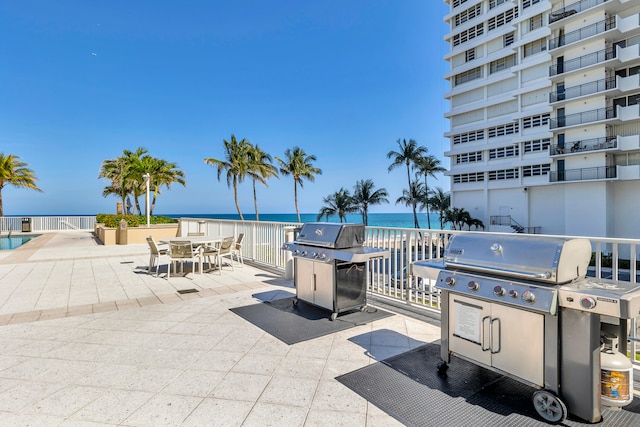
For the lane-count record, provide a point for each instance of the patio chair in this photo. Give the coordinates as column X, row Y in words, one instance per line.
column 236, row 249
column 221, row 251
column 155, row 254
column 181, row 252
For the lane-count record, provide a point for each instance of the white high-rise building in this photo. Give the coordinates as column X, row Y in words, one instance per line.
column 545, row 114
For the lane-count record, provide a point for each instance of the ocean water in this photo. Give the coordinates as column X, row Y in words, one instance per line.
column 398, row 220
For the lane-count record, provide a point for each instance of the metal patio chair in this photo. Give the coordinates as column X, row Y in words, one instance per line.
column 155, row 253
column 181, row 252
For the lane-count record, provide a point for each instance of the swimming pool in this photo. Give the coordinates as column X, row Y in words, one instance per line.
column 12, row 242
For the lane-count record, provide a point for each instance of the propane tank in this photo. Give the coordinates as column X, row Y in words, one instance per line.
column 616, row 373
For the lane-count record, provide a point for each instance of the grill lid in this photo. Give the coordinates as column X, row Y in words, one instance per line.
column 331, row 235
column 545, row 259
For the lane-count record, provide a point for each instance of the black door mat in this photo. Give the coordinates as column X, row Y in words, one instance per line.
column 409, row 388
column 293, row 324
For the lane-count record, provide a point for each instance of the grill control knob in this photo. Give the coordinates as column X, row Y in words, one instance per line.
column 322, row 255
column 587, row 302
column 473, row 285
column 296, row 252
column 304, row 253
column 528, row 297
column 499, row 291
column 513, row 293
column 450, row 281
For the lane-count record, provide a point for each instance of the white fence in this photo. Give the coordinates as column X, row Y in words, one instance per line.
column 391, row 278
column 35, row 224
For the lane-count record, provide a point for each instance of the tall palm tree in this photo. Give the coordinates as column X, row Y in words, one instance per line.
column 236, row 163
column 412, row 197
column 440, row 201
column 162, row 173
column 408, row 154
column 364, row 196
column 428, row 166
column 300, row 165
column 16, row 173
column 339, row 203
column 260, row 170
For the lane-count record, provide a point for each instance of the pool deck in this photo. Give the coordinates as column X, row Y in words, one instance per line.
column 88, row 338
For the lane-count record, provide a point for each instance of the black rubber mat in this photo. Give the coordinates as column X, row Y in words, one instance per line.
column 292, row 324
column 409, row 388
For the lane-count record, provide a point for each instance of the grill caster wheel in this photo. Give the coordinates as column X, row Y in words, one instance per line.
column 442, row 367
column 295, row 302
column 334, row 316
column 549, row 406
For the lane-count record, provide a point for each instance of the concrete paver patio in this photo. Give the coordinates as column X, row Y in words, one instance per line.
column 89, row 338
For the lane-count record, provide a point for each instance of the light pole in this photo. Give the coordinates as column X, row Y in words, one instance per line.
column 147, row 177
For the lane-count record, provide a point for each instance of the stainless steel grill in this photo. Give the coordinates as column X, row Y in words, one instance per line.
column 523, row 306
column 330, row 262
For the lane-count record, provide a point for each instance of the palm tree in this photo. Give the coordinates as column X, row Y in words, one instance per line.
column 440, row 201
column 408, row 154
column 114, row 170
column 428, row 166
column 16, row 173
column 260, row 170
column 133, row 179
column 300, row 165
column 162, row 173
column 364, row 196
column 236, row 164
column 458, row 217
column 339, row 203
column 412, row 197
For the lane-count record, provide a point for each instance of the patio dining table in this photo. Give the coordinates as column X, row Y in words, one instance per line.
column 198, row 241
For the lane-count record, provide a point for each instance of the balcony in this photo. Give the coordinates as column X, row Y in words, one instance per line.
column 583, row 33
column 583, row 89
column 594, row 144
column 583, row 61
column 584, row 117
column 583, row 174
column 572, row 9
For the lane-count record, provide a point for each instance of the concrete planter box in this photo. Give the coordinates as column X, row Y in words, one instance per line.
column 134, row 235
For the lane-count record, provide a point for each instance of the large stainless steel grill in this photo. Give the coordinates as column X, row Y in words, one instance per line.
column 330, row 262
column 523, row 306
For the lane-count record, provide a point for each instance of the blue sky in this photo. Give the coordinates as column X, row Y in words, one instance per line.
column 80, row 81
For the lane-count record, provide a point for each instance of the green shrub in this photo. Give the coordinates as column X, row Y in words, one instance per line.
column 113, row 221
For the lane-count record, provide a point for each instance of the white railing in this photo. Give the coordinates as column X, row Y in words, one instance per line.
column 35, row 224
column 391, row 279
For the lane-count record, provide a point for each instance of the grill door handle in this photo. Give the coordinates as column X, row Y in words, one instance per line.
column 482, row 332
column 493, row 270
column 314, row 282
column 491, row 335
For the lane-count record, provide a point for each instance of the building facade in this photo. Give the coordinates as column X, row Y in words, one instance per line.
column 545, row 114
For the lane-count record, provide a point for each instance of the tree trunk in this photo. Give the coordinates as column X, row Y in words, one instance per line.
column 426, row 196
column 295, row 197
column 1, row 208
column 235, row 197
column 255, row 200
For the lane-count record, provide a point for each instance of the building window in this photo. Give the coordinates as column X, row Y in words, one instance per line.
column 508, row 129
column 537, row 145
column 470, row 55
column 535, row 22
column 476, row 156
column 468, row 76
column 462, row 138
column 503, row 152
column 508, row 39
column 535, row 47
column 469, row 34
column 535, row 121
column 457, row 3
column 467, row 15
column 468, row 177
column 503, row 174
column 527, row 3
column 495, row 3
column 502, row 64
column 536, row 170
column 502, row 18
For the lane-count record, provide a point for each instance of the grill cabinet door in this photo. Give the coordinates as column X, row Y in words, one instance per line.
column 497, row 335
column 325, row 285
column 304, row 279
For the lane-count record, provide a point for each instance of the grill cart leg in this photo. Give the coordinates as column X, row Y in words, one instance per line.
column 549, row 406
